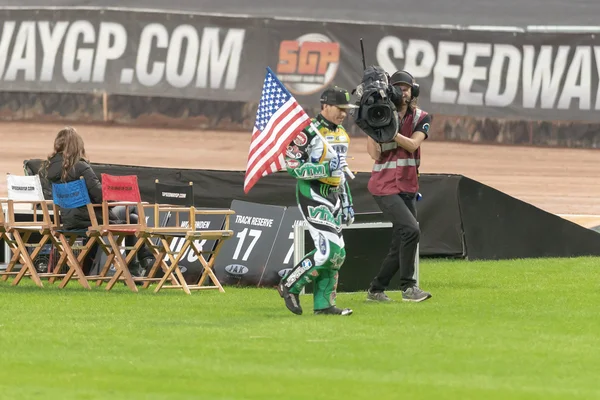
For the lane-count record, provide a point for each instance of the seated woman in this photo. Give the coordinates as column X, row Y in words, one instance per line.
column 67, row 163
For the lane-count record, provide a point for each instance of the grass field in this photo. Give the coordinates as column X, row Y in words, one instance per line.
column 525, row 329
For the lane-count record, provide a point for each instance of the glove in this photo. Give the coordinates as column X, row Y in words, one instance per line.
column 338, row 162
column 347, row 210
column 348, row 215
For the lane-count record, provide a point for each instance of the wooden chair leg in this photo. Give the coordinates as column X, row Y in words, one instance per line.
column 63, row 256
column 209, row 273
column 16, row 256
column 27, row 263
column 67, row 253
column 130, row 254
column 110, row 259
column 159, row 261
column 174, row 267
column 159, row 256
column 121, row 267
column 208, row 266
column 74, row 266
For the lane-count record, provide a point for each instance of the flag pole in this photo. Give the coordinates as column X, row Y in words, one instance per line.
column 327, row 147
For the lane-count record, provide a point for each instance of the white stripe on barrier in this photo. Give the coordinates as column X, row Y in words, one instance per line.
column 491, row 28
column 495, row 28
column 127, row 9
column 563, row 28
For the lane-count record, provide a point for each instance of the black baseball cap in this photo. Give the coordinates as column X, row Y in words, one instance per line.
column 336, row 96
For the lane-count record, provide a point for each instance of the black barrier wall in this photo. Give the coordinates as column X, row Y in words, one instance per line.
column 497, row 226
column 458, row 217
column 438, row 210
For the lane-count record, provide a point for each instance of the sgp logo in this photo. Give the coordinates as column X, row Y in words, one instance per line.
column 309, row 63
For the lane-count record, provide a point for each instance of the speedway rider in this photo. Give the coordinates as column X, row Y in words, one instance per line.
column 324, row 199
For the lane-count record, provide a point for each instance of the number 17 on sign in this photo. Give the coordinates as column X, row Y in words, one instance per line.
column 255, row 234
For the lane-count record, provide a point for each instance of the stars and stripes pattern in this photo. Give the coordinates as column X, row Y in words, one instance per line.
column 279, row 119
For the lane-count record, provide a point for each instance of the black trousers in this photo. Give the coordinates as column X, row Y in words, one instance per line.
column 121, row 213
column 401, row 211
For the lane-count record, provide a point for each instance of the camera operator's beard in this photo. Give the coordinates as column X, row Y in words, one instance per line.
column 403, row 104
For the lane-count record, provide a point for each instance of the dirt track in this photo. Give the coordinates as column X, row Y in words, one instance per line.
column 561, row 181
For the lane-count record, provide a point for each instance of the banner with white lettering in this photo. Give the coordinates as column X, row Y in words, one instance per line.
column 462, row 72
column 131, row 53
column 243, row 258
column 521, row 75
column 497, row 74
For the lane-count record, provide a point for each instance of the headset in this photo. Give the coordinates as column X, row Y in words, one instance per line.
column 415, row 88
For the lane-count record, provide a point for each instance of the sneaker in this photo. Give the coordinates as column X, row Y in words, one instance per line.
column 333, row 310
column 135, row 269
column 415, row 294
column 147, row 264
column 292, row 301
column 377, row 296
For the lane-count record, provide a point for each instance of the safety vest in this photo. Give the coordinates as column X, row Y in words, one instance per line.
column 396, row 170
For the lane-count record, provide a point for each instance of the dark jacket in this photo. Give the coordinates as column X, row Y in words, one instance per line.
column 78, row 218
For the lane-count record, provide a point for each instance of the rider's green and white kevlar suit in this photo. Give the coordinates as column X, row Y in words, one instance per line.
column 324, row 199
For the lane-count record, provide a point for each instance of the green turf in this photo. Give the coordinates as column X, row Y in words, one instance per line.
column 493, row 330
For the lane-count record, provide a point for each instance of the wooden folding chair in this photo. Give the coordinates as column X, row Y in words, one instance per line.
column 192, row 236
column 15, row 194
column 73, row 195
column 123, row 191
column 167, row 194
column 11, row 244
column 24, row 235
column 13, row 249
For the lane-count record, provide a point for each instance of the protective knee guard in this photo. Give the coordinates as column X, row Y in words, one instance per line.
column 330, row 250
column 337, row 258
column 302, row 274
column 309, row 269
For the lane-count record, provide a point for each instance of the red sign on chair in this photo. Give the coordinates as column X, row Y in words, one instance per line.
column 120, row 188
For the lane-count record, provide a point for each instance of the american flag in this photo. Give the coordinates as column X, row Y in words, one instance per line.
column 279, row 119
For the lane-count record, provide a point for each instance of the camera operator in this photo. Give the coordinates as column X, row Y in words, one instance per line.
column 394, row 186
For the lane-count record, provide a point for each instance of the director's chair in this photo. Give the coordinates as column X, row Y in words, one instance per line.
column 26, row 192
column 107, row 239
column 66, row 196
column 173, row 203
column 13, row 185
column 192, row 237
column 124, row 191
column 10, row 243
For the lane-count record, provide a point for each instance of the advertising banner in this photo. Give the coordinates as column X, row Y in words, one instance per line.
column 462, row 72
column 520, row 75
column 136, row 53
